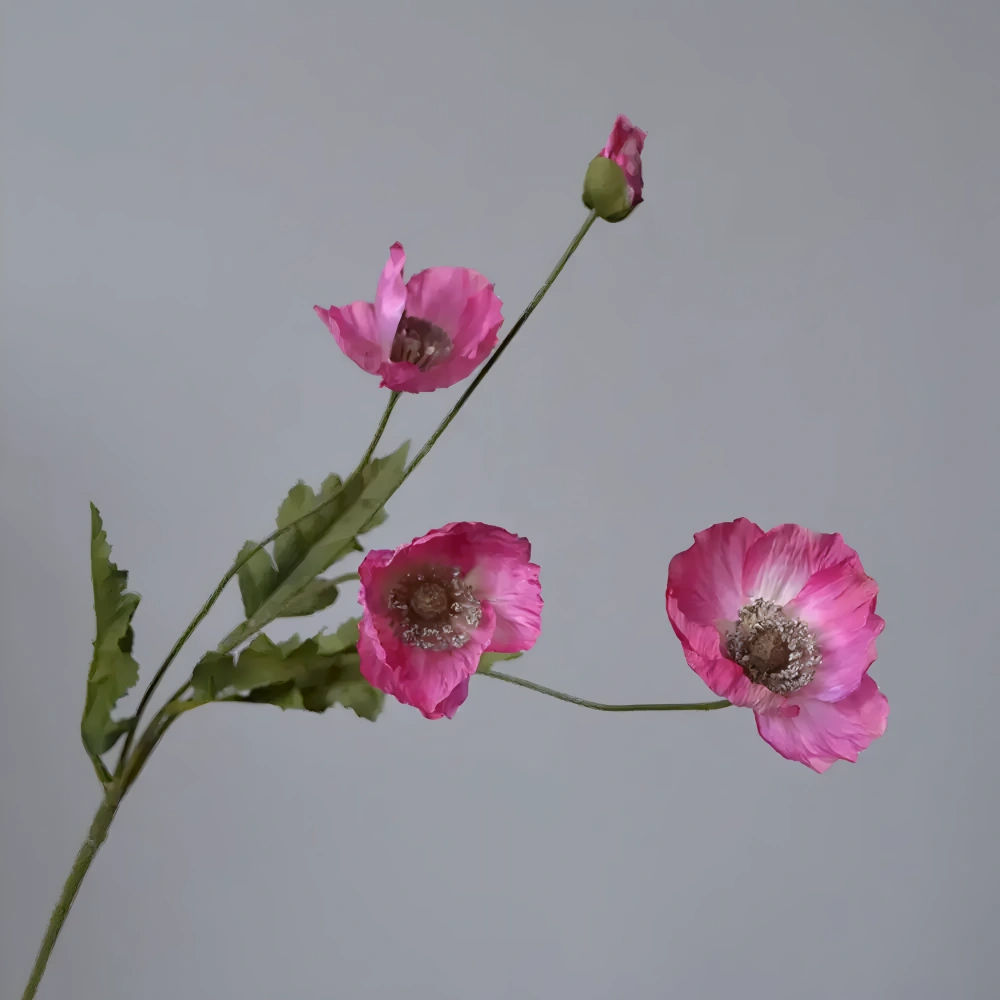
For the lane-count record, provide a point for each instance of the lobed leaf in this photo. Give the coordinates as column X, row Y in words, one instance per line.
column 113, row 671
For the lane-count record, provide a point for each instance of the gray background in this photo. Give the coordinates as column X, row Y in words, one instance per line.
column 814, row 272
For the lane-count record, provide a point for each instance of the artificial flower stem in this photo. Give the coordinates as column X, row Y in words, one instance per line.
column 599, row 706
column 85, row 856
column 393, row 397
column 485, row 370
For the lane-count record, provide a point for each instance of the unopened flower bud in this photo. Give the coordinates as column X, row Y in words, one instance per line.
column 613, row 184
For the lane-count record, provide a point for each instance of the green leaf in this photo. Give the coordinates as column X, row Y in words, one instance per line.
column 257, row 578
column 312, row 675
column 212, row 676
column 344, row 639
column 113, row 671
column 331, row 522
column 314, row 596
column 488, row 660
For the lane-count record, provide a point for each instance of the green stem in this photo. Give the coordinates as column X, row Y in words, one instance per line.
column 599, row 706
column 95, row 837
column 485, row 370
column 223, row 583
column 386, row 413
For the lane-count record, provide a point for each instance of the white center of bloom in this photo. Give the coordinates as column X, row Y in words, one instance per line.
column 420, row 343
column 433, row 608
column 774, row 650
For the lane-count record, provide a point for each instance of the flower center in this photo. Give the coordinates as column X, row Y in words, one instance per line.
column 420, row 343
column 433, row 608
column 779, row 652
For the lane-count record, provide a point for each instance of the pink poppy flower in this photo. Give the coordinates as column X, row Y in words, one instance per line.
column 426, row 334
column 784, row 623
column 625, row 148
column 432, row 607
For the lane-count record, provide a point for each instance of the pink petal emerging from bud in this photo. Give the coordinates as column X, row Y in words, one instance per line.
column 784, row 623
column 433, row 606
column 625, row 148
column 425, row 334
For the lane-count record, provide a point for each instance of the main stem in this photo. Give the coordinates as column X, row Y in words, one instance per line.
column 95, row 837
column 599, row 706
column 128, row 769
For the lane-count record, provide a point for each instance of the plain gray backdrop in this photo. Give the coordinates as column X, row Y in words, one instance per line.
column 813, row 275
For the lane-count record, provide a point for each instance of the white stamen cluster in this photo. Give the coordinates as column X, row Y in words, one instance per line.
column 433, row 608
column 774, row 650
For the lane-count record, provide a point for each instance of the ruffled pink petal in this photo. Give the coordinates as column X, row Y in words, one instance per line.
column 355, row 330
column 505, row 577
column 846, row 659
column 780, row 563
column 373, row 666
column 463, row 304
column 705, row 581
column 835, row 600
column 452, row 545
column 441, row 295
column 625, row 148
column 419, row 677
column 453, row 702
column 390, row 298
column 824, row 732
column 705, row 652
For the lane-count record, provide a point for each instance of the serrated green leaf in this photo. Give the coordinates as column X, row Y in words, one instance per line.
column 289, row 644
column 345, row 638
column 314, row 596
column 488, row 660
column 325, row 535
column 113, row 671
column 257, row 578
column 213, row 676
column 313, row 675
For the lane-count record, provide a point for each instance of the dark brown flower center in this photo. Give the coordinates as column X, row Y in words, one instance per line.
column 420, row 343
column 433, row 608
column 774, row 650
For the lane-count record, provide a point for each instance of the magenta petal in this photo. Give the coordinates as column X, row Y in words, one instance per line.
column 780, row 563
column 453, row 702
column 835, row 599
column 419, row 677
column 463, row 304
column 705, row 581
column 824, row 732
column 440, row 296
column 506, row 578
column 354, row 329
column 625, row 148
column 846, row 659
column 390, row 298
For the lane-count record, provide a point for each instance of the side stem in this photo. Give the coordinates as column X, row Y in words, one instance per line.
column 599, row 706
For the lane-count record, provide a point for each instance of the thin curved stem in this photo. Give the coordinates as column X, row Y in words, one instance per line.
column 599, row 706
column 485, row 370
column 224, row 582
column 393, row 399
